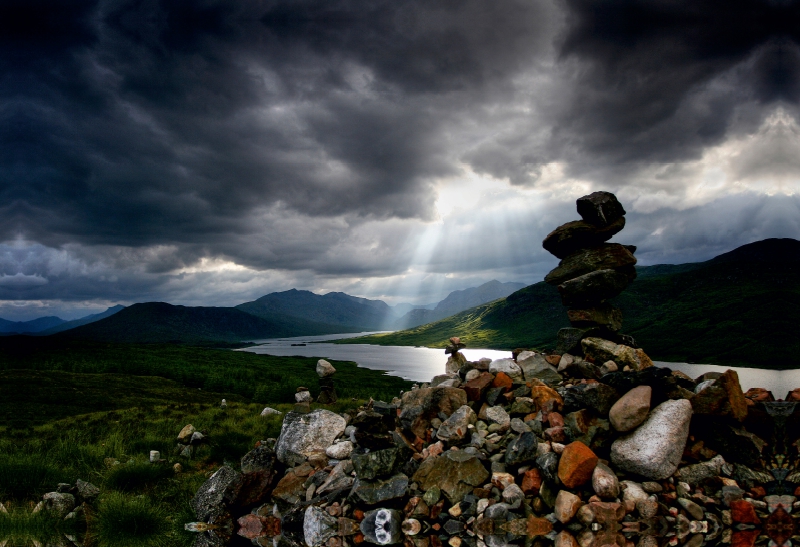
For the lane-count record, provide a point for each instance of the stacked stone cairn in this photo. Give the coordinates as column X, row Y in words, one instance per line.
column 559, row 448
column 189, row 438
column 591, row 272
column 456, row 359
column 69, row 503
column 327, row 391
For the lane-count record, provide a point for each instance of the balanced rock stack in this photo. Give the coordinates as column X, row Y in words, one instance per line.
column 188, row 440
column 303, row 400
column 327, row 391
column 591, row 272
column 456, row 359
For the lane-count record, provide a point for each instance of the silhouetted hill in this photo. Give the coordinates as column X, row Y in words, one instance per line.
column 34, row 325
column 67, row 325
column 767, row 250
column 158, row 322
column 336, row 309
column 739, row 309
column 404, row 307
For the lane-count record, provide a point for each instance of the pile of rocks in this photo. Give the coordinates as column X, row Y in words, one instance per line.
column 517, row 451
column 327, row 389
column 590, row 447
column 69, row 500
column 189, row 439
column 456, row 359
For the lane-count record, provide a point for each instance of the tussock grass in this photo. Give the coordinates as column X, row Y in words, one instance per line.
column 136, row 476
column 20, row 526
column 26, row 475
column 124, row 520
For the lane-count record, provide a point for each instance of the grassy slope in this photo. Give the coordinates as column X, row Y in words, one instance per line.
column 738, row 314
column 158, row 322
column 33, row 461
column 29, row 397
column 734, row 314
column 527, row 318
column 67, row 407
column 262, row 378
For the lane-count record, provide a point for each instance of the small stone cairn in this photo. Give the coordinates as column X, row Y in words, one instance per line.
column 302, row 398
column 189, row 438
column 327, row 391
column 456, row 359
column 591, row 447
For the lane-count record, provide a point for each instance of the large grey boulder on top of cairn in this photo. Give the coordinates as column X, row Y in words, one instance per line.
column 303, row 434
column 324, row 368
column 655, row 448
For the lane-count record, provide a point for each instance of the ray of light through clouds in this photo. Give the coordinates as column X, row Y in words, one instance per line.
column 209, row 152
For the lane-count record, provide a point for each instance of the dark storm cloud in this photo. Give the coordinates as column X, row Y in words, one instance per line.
column 654, row 81
column 663, row 79
column 141, row 137
column 172, row 121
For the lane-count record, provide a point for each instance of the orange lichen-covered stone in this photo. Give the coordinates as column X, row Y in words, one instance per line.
column 476, row 387
column 531, row 482
column 546, row 398
column 501, row 379
column 576, row 465
column 744, row 512
column 757, row 395
column 538, row 526
column 744, row 538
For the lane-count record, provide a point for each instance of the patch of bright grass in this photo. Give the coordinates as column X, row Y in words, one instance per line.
column 127, row 375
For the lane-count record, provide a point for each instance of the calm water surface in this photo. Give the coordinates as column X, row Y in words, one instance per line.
column 420, row 364
column 412, row 363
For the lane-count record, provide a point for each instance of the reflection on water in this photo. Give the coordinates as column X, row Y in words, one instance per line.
column 20, row 526
column 418, row 364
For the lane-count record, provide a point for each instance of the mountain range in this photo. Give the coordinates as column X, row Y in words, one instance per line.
column 159, row 322
column 281, row 314
column 739, row 309
column 51, row 324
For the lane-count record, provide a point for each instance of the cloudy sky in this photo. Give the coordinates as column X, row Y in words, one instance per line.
column 207, row 152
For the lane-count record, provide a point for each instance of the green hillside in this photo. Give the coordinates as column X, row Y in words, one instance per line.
column 739, row 309
column 158, row 322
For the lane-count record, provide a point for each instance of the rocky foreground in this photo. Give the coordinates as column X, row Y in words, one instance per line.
column 589, row 446
column 508, row 451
